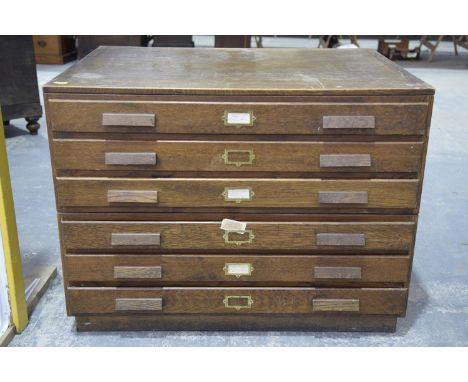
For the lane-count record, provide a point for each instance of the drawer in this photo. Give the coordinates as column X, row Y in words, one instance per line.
column 151, row 194
column 186, row 156
column 204, row 117
column 164, row 269
column 47, row 44
column 128, row 237
column 391, row 301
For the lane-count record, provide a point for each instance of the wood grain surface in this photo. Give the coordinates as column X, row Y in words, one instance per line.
column 281, row 118
column 146, row 156
column 128, row 119
column 199, row 269
column 289, row 71
column 210, row 300
column 304, row 193
column 138, row 304
column 335, row 305
column 183, row 156
column 319, row 321
column 129, row 159
column 268, row 236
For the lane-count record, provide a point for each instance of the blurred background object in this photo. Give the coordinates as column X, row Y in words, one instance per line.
column 54, row 49
column 19, row 93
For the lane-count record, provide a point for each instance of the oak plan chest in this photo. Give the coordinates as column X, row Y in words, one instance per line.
column 320, row 152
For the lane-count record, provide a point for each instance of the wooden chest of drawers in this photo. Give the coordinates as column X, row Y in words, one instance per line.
column 320, row 152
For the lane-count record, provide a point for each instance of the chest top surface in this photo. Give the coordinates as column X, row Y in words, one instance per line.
column 208, row 71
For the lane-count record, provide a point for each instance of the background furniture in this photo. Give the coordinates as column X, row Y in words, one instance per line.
column 398, row 48
column 178, row 41
column 19, row 93
column 433, row 45
column 232, row 41
column 53, row 49
column 87, row 43
column 331, row 41
column 325, row 169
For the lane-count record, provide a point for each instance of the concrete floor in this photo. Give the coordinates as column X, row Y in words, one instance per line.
column 438, row 304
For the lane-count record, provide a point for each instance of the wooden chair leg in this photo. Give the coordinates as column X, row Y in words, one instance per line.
column 433, row 50
column 354, row 40
column 455, row 43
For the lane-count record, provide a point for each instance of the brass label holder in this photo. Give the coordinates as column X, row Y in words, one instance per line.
column 238, row 269
column 238, row 118
column 239, row 190
column 249, row 161
column 227, row 303
column 227, row 240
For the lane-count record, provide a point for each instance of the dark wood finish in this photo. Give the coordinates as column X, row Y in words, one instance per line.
column 54, row 49
column 178, row 41
column 202, row 269
column 181, row 156
column 232, row 41
column 390, row 301
column 223, row 322
column 19, row 93
column 206, row 236
column 132, row 70
column 265, row 193
column 206, row 117
column 325, row 169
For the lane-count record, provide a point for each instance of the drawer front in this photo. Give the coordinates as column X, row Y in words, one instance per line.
column 151, row 194
column 100, row 155
column 116, row 237
column 161, row 269
column 172, row 117
column 47, row 44
column 390, row 301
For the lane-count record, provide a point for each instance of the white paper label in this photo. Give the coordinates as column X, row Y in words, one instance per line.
column 239, row 119
column 238, row 269
column 238, row 194
column 233, row 225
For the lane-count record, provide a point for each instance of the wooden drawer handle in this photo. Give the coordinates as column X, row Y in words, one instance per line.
column 238, row 302
column 140, row 304
column 337, row 273
column 335, row 305
column 343, row 197
column 128, row 120
column 132, row 196
column 345, row 160
column 349, row 122
column 121, row 272
column 340, row 239
column 130, row 159
column 136, row 239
